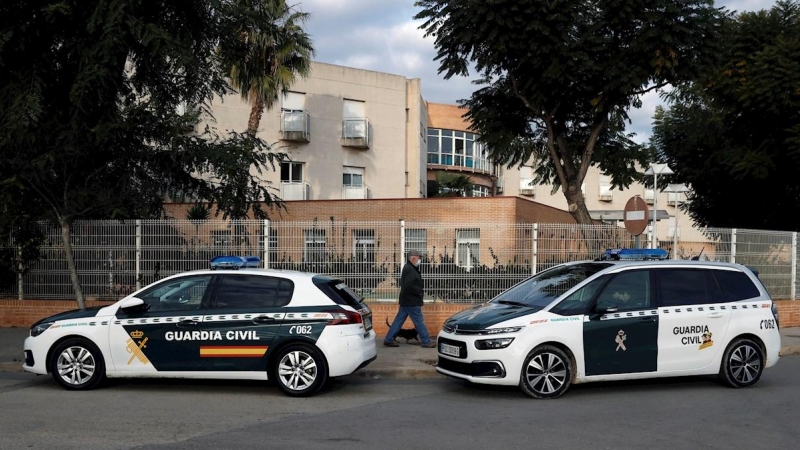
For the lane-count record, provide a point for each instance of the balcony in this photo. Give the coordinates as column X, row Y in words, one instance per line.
column 295, row 190
column 356, row 192
column 356, row 133
column 295, row 126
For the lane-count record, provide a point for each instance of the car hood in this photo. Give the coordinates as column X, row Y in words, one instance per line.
column 482, row 316
column 74, row 314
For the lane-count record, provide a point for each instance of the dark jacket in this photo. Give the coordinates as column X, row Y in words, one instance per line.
column 411, row 286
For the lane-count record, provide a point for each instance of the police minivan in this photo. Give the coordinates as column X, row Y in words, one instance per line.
column 232, row 321
column 631, row 314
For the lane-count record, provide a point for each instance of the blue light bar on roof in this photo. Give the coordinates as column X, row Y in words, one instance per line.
column 634, row 254
column 234, row 262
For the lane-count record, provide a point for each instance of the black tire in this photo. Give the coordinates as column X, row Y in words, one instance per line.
column 77, row 364
column 300, row 370
column 742, row 363
column 547, row 372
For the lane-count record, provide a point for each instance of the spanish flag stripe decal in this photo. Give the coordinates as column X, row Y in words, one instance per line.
column 232, row 351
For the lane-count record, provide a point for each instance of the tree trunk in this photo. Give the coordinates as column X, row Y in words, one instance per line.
column 576, row 204
column 73, row 270
column 256, row 111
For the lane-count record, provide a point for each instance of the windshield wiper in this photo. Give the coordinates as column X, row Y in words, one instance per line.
column 512, row 302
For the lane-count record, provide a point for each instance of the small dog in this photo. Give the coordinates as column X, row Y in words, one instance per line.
column 406, row 333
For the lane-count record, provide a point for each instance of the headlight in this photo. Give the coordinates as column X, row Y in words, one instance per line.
column 39, row 329
column 491, row 344
column 502, row 330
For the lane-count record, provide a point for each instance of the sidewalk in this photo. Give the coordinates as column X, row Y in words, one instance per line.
column 408, row 361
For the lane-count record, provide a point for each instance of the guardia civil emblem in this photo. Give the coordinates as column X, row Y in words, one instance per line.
column 620, row 340
column 135, row 348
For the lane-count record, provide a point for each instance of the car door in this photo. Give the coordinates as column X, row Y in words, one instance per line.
column 164, row 335
column 621, row 335
column 246, row 313
column 693, row 314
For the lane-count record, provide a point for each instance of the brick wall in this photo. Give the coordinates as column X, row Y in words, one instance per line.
column 16, row 313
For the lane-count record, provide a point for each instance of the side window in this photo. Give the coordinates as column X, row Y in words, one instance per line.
column 252, row 291
column 628, row 291
column 177, row 294
column 736, row 285
column 579, row 301
column 686, row 287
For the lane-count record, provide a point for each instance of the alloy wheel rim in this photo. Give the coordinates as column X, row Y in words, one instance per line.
column 76, row 365
column 297, row 370
column 546, row 373
column 745, row 364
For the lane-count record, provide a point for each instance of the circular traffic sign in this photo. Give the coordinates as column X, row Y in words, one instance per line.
column 636, row 215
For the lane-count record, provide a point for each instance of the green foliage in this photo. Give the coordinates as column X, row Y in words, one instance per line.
column 559, row 77
column 734, row 134
column 199, row 211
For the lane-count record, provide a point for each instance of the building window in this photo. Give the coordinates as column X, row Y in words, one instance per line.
column 353, row 176
column 416, row 239
column 364, row 245
column 293, row 108
column 606, row 194
column 315, row 242
column 355, row 123
column 291, row 172
column 480, row 191
column 468, row 248
column 456, row 148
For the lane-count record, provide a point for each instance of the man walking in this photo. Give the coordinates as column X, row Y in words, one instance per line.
column 410, row 304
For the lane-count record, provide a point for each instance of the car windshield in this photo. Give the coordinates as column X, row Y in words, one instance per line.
column 541, row 289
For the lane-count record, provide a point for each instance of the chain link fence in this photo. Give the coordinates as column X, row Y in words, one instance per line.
column 463, row 263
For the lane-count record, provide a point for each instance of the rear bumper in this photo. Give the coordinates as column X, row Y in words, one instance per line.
column 346, row 354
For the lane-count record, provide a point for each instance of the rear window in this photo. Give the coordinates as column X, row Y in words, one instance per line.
column 338, row 291
column 736, row 285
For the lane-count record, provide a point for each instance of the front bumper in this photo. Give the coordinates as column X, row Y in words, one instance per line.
column 498, row 366
column 35, row 350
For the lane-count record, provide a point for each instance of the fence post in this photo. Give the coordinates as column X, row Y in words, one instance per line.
column 402, row 243
column 534, row 243
column 733, row 245
column 20, row 287
column 266, row 244
column 138, row 254
column 794, row 264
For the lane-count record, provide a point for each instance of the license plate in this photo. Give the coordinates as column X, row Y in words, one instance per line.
column 367, row 323
column 449, row 350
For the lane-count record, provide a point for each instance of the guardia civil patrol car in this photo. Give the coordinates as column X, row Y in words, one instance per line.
column 630, row 314
column 232, row 321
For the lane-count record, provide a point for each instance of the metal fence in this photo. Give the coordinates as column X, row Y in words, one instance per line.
column 463, row 262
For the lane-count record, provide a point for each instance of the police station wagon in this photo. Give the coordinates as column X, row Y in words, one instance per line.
column 630, row 314
column 233, row 321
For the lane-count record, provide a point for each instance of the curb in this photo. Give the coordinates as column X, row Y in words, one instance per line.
column 790, row 350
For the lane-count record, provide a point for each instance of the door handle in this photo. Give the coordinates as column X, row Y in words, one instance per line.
column 647, row 319
column 715, row 315
column 263, row 319
column 188, row 323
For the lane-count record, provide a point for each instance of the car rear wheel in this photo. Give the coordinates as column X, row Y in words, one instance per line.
column 547, row 372
column 742, row 363
column 77, row 364
column 301, row 370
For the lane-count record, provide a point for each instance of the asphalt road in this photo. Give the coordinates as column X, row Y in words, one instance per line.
column 363, row 413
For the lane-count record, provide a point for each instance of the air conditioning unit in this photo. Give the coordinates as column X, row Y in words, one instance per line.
column 528, row 191
column 606, row 195
column 648, row 196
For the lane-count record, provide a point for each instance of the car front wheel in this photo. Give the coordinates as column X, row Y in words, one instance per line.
column 77, row 364
column 547, row 372
column 742, row 363
column 301, row 370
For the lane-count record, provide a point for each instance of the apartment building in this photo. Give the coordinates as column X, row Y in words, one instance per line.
column 359, row 134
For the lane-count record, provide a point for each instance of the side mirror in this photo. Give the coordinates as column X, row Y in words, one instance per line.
column 605, row 308
column 133, row 304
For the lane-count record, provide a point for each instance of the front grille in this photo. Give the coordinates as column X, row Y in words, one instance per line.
column 485, row 369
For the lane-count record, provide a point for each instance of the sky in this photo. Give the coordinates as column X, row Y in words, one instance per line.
column 382, row 35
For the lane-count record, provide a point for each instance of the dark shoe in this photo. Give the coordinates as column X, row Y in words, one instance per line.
column 429, row 345
column 391, row 344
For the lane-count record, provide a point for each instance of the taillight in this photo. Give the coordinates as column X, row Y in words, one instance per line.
column 775, row 314
column 344, row 317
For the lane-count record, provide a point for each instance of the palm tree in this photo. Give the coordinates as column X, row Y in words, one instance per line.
column 272, row 49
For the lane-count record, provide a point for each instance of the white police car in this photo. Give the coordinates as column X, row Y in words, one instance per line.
column 628, row 315
column 233, row 321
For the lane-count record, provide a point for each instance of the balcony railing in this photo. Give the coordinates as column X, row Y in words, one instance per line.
column 295, row 126
column 356, row 133
column 356, row 192
column 295, row 190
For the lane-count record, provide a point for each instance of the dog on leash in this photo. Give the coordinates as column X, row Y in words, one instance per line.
column 406, row 333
